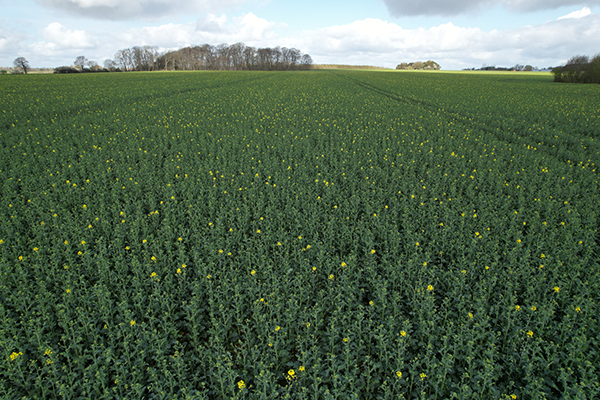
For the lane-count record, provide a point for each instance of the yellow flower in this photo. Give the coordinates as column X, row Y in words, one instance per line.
column 402, row 333
column 343, row 264
column 20, row 258
column 513, row 396
column 291, row 373
column 258, row 231
column 153, row 258
column 178, row 270
column 208, row 276
column 308, row 246
column 14, row 355
column 132, row 322
column 470, row 315
column 518, row 307
column 220, row 251
column 277, row 328
column 417, row 243
column 542, row 255
column 270, row 344
column 371, row 303
column 372, row 251
column 68, row 290
column 152, row 275
column 183, row 265
column 253, row 272
column 241, row 385
column 399, row 374
column 331, row 276
column 35, row 249
column 556, row 289
column 423, row 376
column 179, row 239
column 278, row 243
column 314, row 268
column 48, row 352
column 301, row 368
column 429, row 288
column 530, row 333
column 144, row 241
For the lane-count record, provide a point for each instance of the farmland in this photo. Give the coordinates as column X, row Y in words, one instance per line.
column 314, row 235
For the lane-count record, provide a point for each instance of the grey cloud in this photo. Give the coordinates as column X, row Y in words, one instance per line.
column 399, row 8
column 136, row 9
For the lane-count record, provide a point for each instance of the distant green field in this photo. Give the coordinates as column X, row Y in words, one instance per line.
column 309, row 235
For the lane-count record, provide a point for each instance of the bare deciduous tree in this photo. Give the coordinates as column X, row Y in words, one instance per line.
column 110, row 64
column 80, row 62
column 21, row 62
column 236, row 57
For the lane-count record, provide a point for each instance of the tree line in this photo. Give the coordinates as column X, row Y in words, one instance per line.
column 234, row 57
column 223, row 57
column 579, row 69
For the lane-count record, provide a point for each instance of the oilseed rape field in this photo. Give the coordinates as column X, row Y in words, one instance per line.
column 302, row 235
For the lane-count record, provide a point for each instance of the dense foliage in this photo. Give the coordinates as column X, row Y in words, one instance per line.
column 419, row 65
column 579, row 69
column 323, row 235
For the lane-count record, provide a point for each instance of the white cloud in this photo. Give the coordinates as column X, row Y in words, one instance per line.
column 445, row 7
column 11, row 41
column 211, row 23
column 585, row 11
column 251, row 28
column 134, row 9
column 247, row 28
column 61, row 37
column 369, row 41
column 377, row 42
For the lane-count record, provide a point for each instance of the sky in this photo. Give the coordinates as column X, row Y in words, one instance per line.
column 456, row 34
